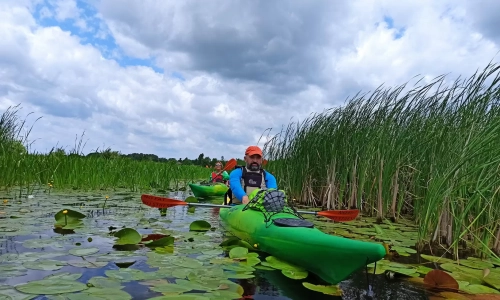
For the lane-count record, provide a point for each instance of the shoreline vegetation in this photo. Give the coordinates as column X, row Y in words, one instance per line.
column 430, row 154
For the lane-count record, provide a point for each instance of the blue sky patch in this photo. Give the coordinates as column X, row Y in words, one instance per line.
column 390, row 24
column 95, row 33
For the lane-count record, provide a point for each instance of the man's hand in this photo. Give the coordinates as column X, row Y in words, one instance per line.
column 245, row 200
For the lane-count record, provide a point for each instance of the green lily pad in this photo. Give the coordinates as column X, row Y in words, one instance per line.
column 83, row 251
column 71, row 214
column 127, row 236
column 479, row 289
column 251, row 261
column 12, row 270
column 493, row 279
column 102, row 293
column 295, row 274
column 476, row 264
column 170, row 288
column 163, row 242
column 240, row 275
column 105, row 283
column 238, row 268
column 51, row 287
column 325, row 289
column 200, row 225
column 187, row 262
column 64, row 276
column 403, row 249
column 437, row 259
column 87, row 264
column 238, row 252
column 45, row 265
column 191, row 199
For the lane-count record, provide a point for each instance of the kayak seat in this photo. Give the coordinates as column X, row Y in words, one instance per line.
column 292, row 222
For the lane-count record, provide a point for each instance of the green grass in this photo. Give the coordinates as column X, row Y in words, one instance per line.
column 25, row 172
column 30, row 171
column 431, row 151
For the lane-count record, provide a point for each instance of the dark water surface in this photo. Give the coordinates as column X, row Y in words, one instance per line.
column 32, row 231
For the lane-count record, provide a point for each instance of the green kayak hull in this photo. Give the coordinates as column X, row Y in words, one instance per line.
column 332, row 258
column 199, row 190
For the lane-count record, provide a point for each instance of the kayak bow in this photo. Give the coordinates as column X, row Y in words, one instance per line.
column 296, row 241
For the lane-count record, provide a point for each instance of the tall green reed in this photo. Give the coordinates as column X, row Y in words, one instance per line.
column 431, row 151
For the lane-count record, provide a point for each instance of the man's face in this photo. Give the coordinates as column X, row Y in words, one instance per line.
column 253, row 162
column 218, row 167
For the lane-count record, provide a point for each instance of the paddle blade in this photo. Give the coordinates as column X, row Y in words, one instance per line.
column 340, row 215
column 160, row 202
column 230, row 164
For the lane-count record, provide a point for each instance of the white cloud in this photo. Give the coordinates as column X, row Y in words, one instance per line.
column 246, row 66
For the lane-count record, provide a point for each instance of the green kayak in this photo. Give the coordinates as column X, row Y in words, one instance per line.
column 200, row 190
column 332, row 258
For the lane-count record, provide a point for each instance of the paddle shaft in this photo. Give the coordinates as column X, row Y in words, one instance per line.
column 229, row 206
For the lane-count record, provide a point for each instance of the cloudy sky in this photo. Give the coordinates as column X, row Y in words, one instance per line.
column 180, row 78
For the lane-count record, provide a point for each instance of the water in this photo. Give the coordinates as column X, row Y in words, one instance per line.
column 33, row 232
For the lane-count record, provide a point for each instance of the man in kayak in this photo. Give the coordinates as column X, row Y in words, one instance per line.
column 245, row 179
column 217, row 175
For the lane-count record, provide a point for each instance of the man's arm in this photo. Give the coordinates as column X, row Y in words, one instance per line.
column 235, row 184
column 271, row 181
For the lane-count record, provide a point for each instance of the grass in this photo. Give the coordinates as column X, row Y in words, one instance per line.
column 431, row 152
column 26, row 172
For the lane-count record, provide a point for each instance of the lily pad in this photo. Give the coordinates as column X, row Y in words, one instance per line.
column 70, row 214
column 476, row 264
column 441, row 280
column 325, row 289
column 297, row 274
column 437, row 259
column 12, row 270
column 163, row 242
column 127, row 236
column 479, row 289
column 200, row 225
column 187, row 262
column 238, row 252
column 51, row 287
column 87, row 264
column 105, row 282
column 45, row 265
column 83, row 251
column 64, row 276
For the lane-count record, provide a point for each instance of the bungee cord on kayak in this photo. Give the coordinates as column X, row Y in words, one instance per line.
column 271, row 202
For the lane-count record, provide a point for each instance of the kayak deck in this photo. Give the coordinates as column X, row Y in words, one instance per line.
column 332, row 258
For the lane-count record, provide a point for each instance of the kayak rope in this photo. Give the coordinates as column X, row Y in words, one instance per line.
column 271, row 202
column 370, row 289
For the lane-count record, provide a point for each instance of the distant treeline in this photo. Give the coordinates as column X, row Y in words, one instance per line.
column 201, row 160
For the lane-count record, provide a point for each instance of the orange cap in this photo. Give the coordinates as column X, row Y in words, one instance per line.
column 252, row 150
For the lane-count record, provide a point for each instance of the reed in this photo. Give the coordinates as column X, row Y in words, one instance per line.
column 431, row 151
column 26, row 171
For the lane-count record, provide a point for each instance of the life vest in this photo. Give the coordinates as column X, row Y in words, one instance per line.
column 250, row 181
column 217, row 178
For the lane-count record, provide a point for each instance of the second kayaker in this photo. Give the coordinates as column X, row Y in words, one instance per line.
column 243, row 180
column 217, row 175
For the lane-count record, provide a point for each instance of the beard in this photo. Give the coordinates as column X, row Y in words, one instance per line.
column 254, row 166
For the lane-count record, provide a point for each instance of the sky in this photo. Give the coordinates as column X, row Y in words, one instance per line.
column 180, row 78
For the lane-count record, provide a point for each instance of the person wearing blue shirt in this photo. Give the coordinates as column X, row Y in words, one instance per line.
column 245, row 179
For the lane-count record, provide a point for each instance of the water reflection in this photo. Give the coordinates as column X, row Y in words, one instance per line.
column 126, row 210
